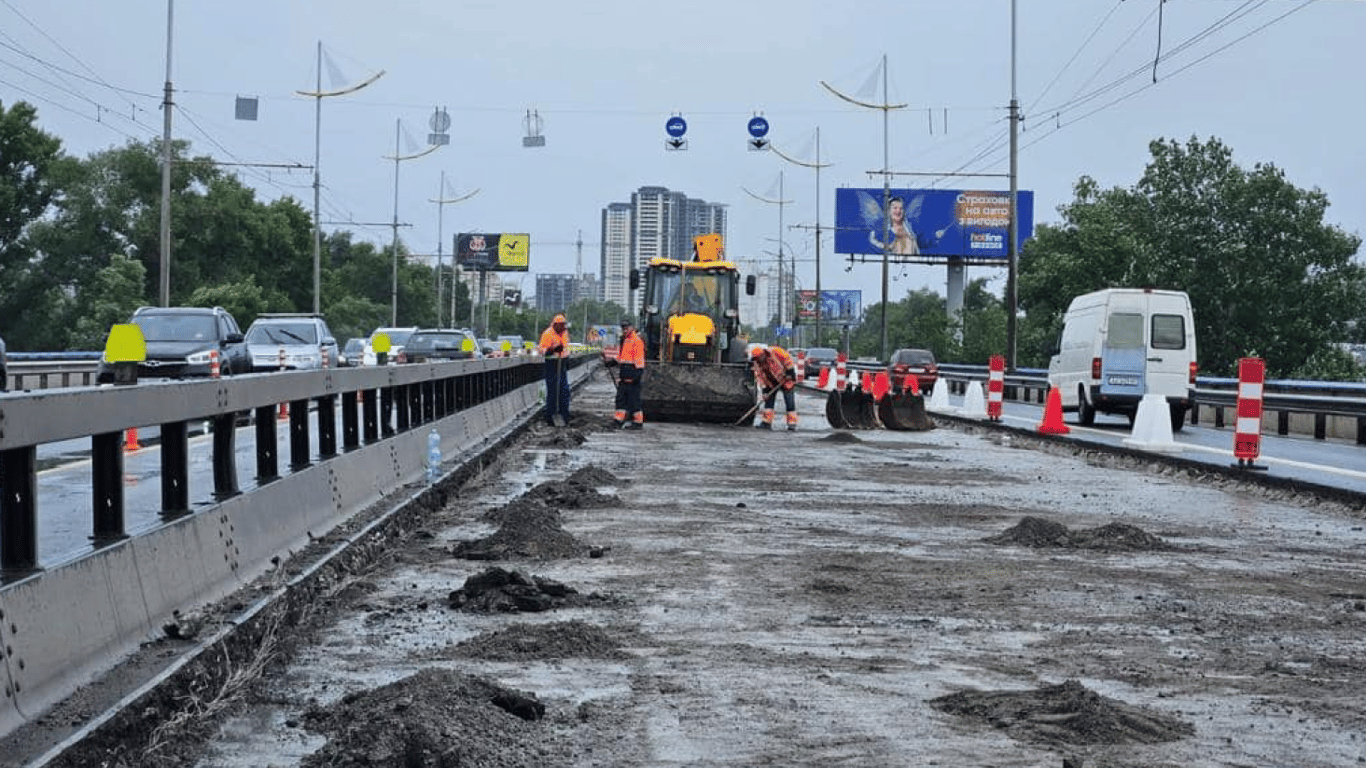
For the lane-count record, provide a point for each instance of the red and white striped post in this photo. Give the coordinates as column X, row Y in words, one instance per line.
column 840, row 371
column 215, row 370
column 801, row 366
column 996, row 386
column 1247, row 430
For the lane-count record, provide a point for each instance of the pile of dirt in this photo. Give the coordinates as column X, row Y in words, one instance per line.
column 578, row 491
column 1066, row 714
column 500, row 591
column 434, row 719
column 533, row 531
column 560, row 437
column 841, row 437
column 527, row 642
column 1040, row 533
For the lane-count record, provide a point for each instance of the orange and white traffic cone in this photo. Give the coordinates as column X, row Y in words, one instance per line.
column 1052, row 423
column 130, row 440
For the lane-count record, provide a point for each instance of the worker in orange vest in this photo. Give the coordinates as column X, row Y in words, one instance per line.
column 775, row 369
column 631, row 362
column 555, row 347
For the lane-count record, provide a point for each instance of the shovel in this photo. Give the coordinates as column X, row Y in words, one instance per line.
column 750, row 413
column 557, row 419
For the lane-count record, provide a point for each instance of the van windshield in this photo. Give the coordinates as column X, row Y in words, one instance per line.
column 1126, row 331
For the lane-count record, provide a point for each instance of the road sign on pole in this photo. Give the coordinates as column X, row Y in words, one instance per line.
column 758, row 129
column 676, row 126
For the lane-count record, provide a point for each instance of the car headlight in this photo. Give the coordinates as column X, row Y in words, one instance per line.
column 198, row 358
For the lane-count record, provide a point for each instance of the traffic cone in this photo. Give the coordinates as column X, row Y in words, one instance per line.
column 823, row 383
column 914, row 381
column 284, row 411
column 1152, row 426
column 939, row 398
column 881, row 385
column 130, row 440
column 1052, row 423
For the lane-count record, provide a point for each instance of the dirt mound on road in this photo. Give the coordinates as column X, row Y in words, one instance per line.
column 433, row 719
column 1066, row 714
column 578, row 491
column 530, row 529
column 1040, row 533
column 500, row 591
column 526, row 642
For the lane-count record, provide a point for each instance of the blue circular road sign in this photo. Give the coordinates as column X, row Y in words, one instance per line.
column 758, row 127
column 676, row 126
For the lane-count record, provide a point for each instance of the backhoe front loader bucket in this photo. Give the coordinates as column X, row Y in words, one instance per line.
column 904, row 411
column 851, row 409
column 711, row 393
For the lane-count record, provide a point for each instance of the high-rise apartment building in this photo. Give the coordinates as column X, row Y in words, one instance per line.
column 657, row 223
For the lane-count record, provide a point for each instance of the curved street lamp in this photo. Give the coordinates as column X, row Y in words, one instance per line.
column 398, row 158
column 441, row 204
column 817, row 166
column 318, row 95
column 886, row 108
column 780, row 202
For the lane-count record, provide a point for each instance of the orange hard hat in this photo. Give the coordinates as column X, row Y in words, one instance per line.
column 757, row 351
column 558, row 319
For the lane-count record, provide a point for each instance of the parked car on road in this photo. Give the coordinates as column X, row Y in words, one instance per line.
column 291, row 341
column 397, row 338
column 817, row 357
column 919, row 363
column 436, row 344
column 179, row 342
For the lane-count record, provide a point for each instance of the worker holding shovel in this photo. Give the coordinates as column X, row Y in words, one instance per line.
column 775, row 369
column 631, row 360
column 555, row 347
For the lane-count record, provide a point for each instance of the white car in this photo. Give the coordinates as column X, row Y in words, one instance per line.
column 397, row 338
column 291, row 342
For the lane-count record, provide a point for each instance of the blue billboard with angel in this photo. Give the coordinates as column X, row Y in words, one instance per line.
column 929, row 223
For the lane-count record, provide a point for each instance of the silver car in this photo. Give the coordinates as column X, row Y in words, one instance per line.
column 291, row 342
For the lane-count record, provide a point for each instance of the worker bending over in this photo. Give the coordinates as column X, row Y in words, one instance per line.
column 775, row 369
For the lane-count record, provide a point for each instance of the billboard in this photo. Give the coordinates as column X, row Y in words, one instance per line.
column 930, row 225
column 494, row 252
column 836, row 306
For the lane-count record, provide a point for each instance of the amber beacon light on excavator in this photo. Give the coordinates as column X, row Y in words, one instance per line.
column 696, row 366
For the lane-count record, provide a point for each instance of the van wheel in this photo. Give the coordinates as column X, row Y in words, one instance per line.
column 1086, row 413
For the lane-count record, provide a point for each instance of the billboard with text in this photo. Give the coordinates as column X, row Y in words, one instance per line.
column 929, row 225
column 835, row 306
column 503, row 252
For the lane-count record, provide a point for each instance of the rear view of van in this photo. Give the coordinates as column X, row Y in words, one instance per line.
column 1120, row 344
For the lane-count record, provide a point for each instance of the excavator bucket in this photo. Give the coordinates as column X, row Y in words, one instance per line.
column 904, row 411
column 709, row 393
column 851, row 409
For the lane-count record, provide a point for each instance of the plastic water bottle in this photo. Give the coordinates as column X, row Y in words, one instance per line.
column 433, row 455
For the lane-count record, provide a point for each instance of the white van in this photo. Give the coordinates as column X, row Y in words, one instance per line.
column 1120, row 344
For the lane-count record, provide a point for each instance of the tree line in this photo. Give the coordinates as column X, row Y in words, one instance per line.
column 1267, row 276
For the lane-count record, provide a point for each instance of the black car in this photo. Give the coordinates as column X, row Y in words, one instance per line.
column 818, row 358
column 180, row 341
column 429, row 344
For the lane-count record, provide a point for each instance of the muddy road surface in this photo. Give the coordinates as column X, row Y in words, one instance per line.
column 701, row 595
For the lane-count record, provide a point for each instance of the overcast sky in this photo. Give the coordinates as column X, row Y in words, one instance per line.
column 1278, row 81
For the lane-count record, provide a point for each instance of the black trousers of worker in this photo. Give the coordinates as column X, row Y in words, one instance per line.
column 789, row 399
column 628, row 391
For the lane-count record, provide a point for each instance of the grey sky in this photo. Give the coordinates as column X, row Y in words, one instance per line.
column 1277, row 80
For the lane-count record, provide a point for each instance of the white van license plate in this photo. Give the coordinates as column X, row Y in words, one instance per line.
column 1122, row 381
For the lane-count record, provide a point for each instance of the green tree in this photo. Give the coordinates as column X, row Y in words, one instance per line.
column 1262, row 268
column 29, row 160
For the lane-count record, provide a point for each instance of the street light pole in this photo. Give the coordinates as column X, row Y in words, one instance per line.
column 441, row 204
column 397, row 158
column 886, row 108
column 1014, row 229
column 318, row 93
column 817, row 166
column 780, row 202
column 166, row 104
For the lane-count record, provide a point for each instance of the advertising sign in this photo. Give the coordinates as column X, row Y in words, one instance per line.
column 497, row 253
column 836, row 306
column 929, row 225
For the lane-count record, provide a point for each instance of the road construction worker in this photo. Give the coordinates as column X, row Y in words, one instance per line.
column 631, row 365
column 775, row 369
column 555, row 347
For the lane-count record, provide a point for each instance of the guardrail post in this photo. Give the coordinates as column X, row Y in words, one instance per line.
column 267, row 453
column 225, row 456
column 18, row 512
column 299, row 445
column 175, row 469
column 350, row 421
column 106, row 460
column 1361, row 430
column 386, row 411
column 327, row 426
column 1283, row 423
